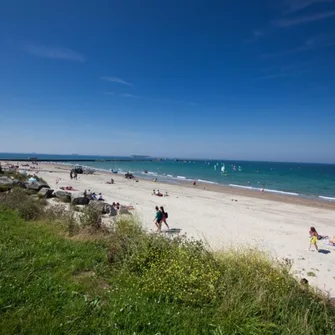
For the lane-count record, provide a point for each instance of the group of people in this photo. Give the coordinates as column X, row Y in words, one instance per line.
column 159, row 194
column 160, row 218
column 93, row 195
column 73, row 175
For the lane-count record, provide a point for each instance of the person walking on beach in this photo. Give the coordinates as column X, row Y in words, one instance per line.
column 164, row 216
column 314, row 238
column 158, row 219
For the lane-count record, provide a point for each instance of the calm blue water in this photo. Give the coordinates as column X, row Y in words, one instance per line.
column 310, row 180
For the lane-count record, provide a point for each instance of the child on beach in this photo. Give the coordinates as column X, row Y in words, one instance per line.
column 312, row 232
column 313, row 238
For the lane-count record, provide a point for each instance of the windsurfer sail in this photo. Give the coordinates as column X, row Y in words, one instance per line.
column 223, row 168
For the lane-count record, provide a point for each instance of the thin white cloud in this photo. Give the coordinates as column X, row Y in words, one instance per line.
column 314, row 42
column 54, row 52
column 115, row 80
column 166, row 101
column 256, row 34
column 290, row 70
column 297, row 5
column 285, row 23
column 275, row 75
column 128, row 95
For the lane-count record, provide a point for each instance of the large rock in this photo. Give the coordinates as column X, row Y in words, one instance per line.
column 100, row 206
column 63, row 195
column 80, row 200
column 124, row 210
column 46, row 192
column 36, row 186
column 5, row 181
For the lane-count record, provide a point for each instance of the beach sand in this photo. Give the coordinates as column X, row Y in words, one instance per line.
column 225, row 217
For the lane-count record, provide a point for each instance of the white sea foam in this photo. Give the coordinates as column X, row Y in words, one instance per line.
column 280, row 192
column 265, row 190
column 181, row 177
column 246, row 187
column 169, row 175
column 207, row 182
column 327, row 198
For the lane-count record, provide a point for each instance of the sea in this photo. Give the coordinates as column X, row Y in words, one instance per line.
column 308, row 180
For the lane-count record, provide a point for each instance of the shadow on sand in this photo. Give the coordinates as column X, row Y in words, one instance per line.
column 172, row 231
column 323, row 251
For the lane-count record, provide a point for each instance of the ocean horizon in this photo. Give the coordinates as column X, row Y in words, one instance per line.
column 311, row 180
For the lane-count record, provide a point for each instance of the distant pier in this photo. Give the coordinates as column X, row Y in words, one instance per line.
column 78, row 160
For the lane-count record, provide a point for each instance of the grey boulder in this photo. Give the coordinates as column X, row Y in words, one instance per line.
column 36, row 186
column 5, row 181
column 79, row 199
column 46, row 192
column 63, row 195
column 100, row 206
column 124, row 210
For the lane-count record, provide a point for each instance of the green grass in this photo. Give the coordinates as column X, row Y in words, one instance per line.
column 131, row 282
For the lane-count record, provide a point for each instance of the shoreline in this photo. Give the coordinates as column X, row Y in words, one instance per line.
column 319, row 198
column 222, row 188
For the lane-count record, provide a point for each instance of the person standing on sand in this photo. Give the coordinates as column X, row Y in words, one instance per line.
column 314, row 238
column 158, row 219
column 164, row 216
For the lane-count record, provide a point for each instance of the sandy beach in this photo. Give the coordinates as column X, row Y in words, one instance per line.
column 224, row 218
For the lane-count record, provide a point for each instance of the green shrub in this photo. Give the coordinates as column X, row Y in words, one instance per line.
column 51, row 283
column 26, row 206
column 4, row 189
column 91, row 218
column 71, row 223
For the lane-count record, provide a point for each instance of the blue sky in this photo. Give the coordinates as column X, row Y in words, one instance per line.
column 208, row 79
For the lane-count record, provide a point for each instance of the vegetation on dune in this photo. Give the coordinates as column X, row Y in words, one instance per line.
column 61, row 277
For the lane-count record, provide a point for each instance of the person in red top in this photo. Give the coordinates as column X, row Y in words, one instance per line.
column 164, row 216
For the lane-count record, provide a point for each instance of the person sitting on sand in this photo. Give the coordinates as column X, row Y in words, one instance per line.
column 110, row 182
column 99, row 198
column 313, row 238
column 93, row 196
column 166, row 194
column 331, row 241
column 159, row 194
column 164, row 216
column 158, row 219
column 153, row 192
